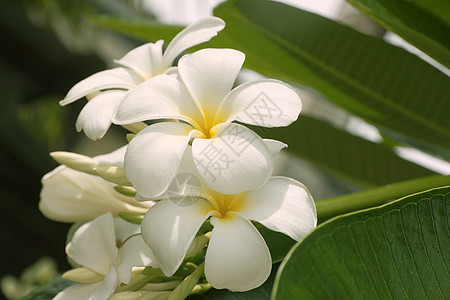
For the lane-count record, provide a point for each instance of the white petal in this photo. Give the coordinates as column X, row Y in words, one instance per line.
column 267, row 103
column 274, row 146
column 125, row 229
column 134, row 253
column 162, row 97
column 145, row 60
column 96, row 116
column 283, row 205
column 77, row 292
column 70, row 196
column 94, row 244
column 154, row 155
column 169, row 230
column 118, row 78
column 236, row 159
column 209, row 75
column 108, row 285
column 196, row 33
column 237, row 257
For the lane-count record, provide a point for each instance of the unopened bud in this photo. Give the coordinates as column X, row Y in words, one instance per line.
column 112, row 174
column 75, row 161
column 197, row 245
column 185, row 287
column 125, row 190
column 83, row 275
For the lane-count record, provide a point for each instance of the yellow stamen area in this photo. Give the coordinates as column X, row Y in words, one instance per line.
column 210, row 117
column 223, row 204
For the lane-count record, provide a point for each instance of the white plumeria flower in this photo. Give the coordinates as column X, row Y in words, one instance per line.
column 93, row 246
column 68, row 195
column 137, row 66
column 237, row 256
column 230, row 157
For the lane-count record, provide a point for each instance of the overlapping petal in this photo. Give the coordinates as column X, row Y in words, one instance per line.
column 144, row 60
column 266, row 103
column 117, row 78
column 196, row 33
column 108, row 285
column 235, row 159
column 237, row 258
column 283, row 205
column 274, row 146
column 95, row 117
column 154, row 155
column 160, row 97
column 134, row 253
column 169, row 229
column 209, row 75
column 94, row 244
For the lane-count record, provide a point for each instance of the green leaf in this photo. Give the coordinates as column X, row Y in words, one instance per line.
column 49, row 290
column 412, row 21
column 383, row 84
column 343, row 154
column 439, row 8
column 279, row 244
column 397, row 251
column 138, row 28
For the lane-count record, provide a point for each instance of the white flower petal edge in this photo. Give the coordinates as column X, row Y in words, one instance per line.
column 196, row 33
column 144, row 60
column 235, row 159
column 95, row 117
column 134, row 253
column 283, row 205
column 237, row 258
column 162, row 97
column 153, row 156
column 118, row 78
column 209, row 75
column 94, row 244
column 274, row 146
column 169, row 230
column 266, row 103
column 108, row 285
column 77, row 292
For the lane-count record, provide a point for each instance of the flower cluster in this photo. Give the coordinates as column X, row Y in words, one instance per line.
column 173, row 212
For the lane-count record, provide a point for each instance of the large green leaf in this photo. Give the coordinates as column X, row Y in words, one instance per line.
column 343, row 154
column 377, row 81
column 397, row 251
column 439, row 8
column 418, row 22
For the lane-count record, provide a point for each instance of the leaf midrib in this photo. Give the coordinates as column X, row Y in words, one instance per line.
column 353, row 83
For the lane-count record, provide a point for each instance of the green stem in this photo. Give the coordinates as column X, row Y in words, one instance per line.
column 329, row 208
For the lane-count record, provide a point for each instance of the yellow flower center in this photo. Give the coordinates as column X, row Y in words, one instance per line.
column 223, row 204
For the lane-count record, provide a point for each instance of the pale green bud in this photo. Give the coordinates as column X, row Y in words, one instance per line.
column 112, row 174
column 75, row 161
column 83, row 275
column 125, row 190
column 197, row 245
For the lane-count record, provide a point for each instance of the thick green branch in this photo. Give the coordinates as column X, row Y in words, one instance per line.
column 329, row 208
